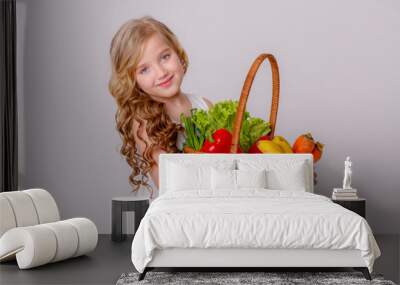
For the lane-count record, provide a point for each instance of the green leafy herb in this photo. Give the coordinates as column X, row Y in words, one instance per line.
column 194, row 137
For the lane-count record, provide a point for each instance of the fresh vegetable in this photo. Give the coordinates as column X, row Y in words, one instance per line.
column 212, row 147
column 252, row 129
column 254, row 148
column 203, row 124
column 269, row 147
column 304, row 144
column 283, row 143
column 222, row 142
column 194, row 138
column 222, row 137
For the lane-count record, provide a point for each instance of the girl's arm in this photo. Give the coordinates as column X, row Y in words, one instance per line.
column 141, row 145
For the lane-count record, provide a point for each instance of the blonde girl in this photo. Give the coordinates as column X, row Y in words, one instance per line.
column 148, row 66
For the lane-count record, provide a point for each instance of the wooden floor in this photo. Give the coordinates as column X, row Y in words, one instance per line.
column 111, row 259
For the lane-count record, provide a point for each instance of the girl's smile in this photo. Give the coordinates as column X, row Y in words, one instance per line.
column 167, row 83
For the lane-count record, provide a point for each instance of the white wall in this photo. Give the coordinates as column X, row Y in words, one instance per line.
column 338, row 63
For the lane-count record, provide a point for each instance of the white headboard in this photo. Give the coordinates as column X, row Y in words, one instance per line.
column 213, row 158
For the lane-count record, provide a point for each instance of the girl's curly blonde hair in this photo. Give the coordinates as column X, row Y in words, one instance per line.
column 133, row 104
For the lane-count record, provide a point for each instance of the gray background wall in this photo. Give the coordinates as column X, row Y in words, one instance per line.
column 338, row 61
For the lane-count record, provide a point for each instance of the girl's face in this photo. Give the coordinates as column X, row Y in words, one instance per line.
column 160, row 71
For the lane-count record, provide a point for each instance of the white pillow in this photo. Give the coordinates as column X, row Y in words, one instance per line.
column 228, row 179
column 285, row 174
column 223, row 179
column 184, row 174
column 251, row 178
column 288, row 179
column 182, row 177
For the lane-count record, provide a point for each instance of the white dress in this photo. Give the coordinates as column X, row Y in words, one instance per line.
column 197, row 102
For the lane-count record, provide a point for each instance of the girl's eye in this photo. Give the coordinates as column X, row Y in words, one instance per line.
column 166, row 56
column 143, row 70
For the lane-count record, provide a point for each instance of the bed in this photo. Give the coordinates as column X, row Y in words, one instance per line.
column 247, row 210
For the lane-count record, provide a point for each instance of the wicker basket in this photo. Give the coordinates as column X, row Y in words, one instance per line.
column 243, row 100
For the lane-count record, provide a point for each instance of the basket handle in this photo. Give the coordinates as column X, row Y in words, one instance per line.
column 245, row 94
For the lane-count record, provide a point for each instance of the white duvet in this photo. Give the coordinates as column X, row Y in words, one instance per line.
column 251, row 218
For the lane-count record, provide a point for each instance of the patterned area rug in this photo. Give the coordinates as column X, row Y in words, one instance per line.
column 229, row 278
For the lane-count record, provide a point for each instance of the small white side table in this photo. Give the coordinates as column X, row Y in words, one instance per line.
column 123, row 204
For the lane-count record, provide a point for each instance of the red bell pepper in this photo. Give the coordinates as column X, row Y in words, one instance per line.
column 222, row 137
column 222, row 142
column 211, row 147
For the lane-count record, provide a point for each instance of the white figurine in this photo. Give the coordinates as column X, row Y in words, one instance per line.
column 347, row 174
